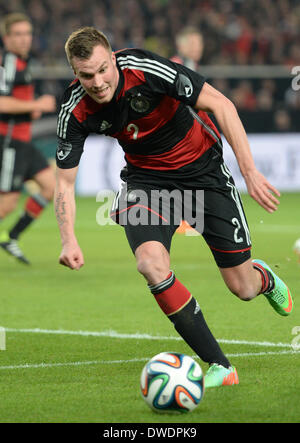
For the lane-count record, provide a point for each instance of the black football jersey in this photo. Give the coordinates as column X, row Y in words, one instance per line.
column 151, row 115
column 16, row 82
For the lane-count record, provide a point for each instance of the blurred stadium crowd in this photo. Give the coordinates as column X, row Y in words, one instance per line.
column 235, row 32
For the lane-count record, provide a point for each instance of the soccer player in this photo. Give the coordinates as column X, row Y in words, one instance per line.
column 19, row 159
column 189, row 44
column 148, row 103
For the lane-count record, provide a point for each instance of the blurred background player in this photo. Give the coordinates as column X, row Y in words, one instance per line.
column 19, row 159
column 189, row 44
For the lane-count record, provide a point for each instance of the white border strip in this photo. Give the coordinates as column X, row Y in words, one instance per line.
column 137, row 336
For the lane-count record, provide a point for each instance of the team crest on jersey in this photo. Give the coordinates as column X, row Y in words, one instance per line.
column 63, row 150
column 139, row 103
column 105, row 125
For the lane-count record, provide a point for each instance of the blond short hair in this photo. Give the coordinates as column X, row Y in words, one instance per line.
column 10, row 19
column 81, row 43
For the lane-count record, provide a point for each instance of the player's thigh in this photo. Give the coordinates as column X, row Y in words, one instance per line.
column 225, row 228
column 148, row 226
column 45, row 178
column 39, row 168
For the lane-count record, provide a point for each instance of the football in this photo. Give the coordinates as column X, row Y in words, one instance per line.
column 171, row 381
column 297, row 246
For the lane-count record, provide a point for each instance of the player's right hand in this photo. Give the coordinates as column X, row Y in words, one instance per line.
column 46, row 103
column 262, row 191
column 71, row 257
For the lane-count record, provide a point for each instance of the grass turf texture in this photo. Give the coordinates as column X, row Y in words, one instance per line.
column 108, row 294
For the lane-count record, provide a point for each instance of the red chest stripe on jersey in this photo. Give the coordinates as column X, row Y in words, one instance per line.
column 21, row 64
column 23, row 92
column 151, row 122
column 21, row 131
column 87, row 106
column 185, row 152
column 132, row 77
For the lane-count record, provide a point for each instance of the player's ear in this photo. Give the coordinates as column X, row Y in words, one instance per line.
column 113, row 58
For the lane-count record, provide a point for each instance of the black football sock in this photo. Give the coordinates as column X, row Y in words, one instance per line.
column 191, row 325
column 183, row 310
column 24, row 221
column 33, row 207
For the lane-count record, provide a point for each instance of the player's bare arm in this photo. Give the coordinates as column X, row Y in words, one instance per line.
column 259, row 188
column 12, row 105
column 65, row 208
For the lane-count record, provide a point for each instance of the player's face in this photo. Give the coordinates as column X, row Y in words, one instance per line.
column 19, row 38
column 192, row 47
column 98, row 75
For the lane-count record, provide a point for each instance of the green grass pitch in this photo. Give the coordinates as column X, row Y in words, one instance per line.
column 53, row 370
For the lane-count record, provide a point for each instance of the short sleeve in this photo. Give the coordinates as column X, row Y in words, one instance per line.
column 8, row 73
column 71, row 136
column 167, row 77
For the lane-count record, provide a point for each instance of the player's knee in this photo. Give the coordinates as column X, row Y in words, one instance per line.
column 152, row 267
column 148, row 265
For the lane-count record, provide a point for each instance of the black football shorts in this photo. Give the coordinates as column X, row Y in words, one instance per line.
column 19, row 162
column 212, row 206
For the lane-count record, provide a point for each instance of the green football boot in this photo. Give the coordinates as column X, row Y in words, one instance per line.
column 218, row 375
column 280, row 297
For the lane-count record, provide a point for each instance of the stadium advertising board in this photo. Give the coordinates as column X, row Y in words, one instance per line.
column 277, row 156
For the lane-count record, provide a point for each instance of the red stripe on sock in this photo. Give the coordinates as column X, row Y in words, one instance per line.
column 265, row 281
column 174, row 298
column 32, row 207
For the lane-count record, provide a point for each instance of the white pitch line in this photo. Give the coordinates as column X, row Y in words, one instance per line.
column 133, row 360
column 73, row 363
column 137, row 336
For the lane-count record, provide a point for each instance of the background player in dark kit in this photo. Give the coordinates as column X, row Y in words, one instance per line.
column 19, row 159
column 147, row 102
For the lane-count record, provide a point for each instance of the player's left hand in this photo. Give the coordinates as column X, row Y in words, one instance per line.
column 262, row 191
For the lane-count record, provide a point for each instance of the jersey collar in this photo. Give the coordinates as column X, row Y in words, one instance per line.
column 120, row 86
